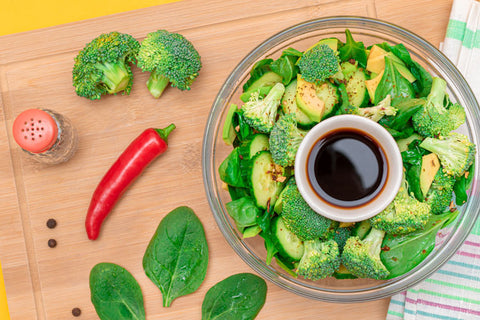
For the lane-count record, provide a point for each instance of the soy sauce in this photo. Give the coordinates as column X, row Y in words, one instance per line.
column 347, row 168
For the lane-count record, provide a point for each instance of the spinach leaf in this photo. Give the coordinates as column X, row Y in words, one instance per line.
column 265, row 222
column 286, row 68
column 243, row 211
column 413, row 178
column 405, row 110
column 353, row 50
column 238, row 297
column 115, row 293
column 401, row 253
column 176, row 258
column 237, row 193
column 423, row 84
column 412, row 161
column 462, row 184
column 393, row 84
column 244, row 131
column 262, row 92
column 230, row 170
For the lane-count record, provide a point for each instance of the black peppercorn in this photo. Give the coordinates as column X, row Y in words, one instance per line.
column 76, row 312
column 51, row 223
column 52, row 243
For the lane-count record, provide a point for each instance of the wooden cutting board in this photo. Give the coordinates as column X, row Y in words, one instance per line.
column 35, row 71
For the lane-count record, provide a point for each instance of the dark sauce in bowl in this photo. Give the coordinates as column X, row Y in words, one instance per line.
column 347, row 168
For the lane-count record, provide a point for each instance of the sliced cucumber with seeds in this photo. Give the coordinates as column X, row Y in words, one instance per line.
column 288, row 244
column 328, row 93
column 356, row 87
column 258, row 143
column 289, row 105
column 266, row 179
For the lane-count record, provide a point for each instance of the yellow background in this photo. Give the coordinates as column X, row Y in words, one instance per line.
column 19, row 16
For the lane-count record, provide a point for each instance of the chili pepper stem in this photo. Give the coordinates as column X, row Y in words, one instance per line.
column 163, row 133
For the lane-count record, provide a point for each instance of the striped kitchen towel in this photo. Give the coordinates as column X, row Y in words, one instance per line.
column 453, row 292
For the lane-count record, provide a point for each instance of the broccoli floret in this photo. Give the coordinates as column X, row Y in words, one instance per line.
column 285, row 139
column 102, row 66
column 320, row 259
column 403, row 215
column 170, row 58
column 455, row 152
column 440, row 193
column 437, row 117
column 377, row 112
column 318, row 63
column 261, row 113
column 340, row 236
column 362, row 257
column 300, row 219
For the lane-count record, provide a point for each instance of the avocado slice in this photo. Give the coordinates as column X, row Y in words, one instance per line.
column 372, row 85
column 430, row 166
column 308, row 101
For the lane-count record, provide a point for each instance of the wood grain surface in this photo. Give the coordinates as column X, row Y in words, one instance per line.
column 35, row 71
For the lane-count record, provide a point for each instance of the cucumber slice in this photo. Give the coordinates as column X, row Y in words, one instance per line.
column 228, row 133
column 258, row 143
column 361, row 229
column 356, row 87
column 264, row 179
column 289, row 245
column 328, row 93
column 269, row 79
column 289, row 105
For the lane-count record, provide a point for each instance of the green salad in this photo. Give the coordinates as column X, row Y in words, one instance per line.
column 284, row 98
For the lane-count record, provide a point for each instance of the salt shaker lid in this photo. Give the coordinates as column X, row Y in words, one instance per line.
column 35, row 130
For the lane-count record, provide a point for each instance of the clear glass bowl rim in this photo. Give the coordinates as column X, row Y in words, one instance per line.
column 465, row 220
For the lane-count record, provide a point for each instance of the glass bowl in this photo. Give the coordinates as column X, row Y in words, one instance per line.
column 301, row 37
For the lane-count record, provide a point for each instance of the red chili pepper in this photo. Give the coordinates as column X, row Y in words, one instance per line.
column 143, row 150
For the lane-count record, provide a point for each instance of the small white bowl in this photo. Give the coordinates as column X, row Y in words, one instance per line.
column 373, row 131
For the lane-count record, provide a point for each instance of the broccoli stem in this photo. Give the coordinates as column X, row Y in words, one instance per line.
column 115, row 76
column 437, row 94
column 375, row 237
column 156, row 84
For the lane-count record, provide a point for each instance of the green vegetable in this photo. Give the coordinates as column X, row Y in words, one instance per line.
column 462, row 185
column 231, row 168
column 423, row 84
column 285, row 139
column 320, row 259
column 401, row 253
column 261, row 113
column 115, row 293
column 285, row 66
column 405, row 110
column 318, row 63
column 238, row 297
column 353, row 50
column 455, row 152
column 300, row 219
column 404, row 215
column 393, row 84
column 171, row 59
column 440, row 193
column 362, row 257
column 437, row 118
column 265, row 179
column 102, row 66
column 176, row 258
column 243, row 211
